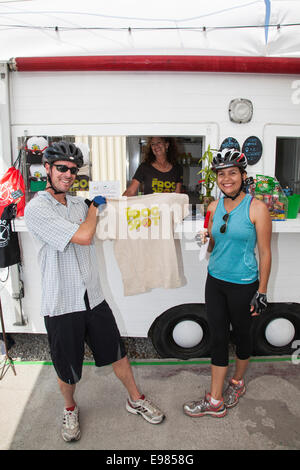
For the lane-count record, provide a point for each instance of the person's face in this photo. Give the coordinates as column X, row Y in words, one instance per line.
column 229, row 180
column 62, row 181
column 159, row 146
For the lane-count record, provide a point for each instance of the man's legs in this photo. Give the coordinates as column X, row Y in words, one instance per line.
column 67, row 391
column 70, row 430
column 123, row 371
column 137, row 403
column 66, row 340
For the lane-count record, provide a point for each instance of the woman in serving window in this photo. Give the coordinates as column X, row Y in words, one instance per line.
column 159, row 172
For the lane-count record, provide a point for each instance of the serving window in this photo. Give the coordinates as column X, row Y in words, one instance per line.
column 112, row 158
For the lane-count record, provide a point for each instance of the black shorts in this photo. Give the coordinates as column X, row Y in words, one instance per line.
column 68, row 333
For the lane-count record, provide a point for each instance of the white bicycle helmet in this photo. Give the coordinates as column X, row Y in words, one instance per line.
column 228, row 158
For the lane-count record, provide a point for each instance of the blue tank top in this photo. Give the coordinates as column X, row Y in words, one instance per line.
column 233, row 257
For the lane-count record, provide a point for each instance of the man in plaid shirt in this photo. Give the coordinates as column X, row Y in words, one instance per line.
column 73, row 305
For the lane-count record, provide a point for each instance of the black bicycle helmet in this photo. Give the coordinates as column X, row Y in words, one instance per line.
column 63, row 151
column 228, row 158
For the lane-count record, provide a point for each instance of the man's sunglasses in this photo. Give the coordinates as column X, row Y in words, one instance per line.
column 64, row 168
column 224, row 226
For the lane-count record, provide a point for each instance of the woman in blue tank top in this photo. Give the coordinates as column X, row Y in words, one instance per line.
column 236, row 284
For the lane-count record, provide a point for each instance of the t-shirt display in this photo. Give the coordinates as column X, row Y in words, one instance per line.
column 147, row 254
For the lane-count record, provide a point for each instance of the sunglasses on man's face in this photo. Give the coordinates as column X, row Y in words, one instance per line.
column 224, row 226
column 64, row 168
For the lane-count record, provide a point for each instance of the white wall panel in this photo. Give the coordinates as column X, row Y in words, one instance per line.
column 144, row 103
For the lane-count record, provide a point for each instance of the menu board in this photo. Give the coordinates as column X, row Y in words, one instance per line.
column 252, row 148
column 230, row 143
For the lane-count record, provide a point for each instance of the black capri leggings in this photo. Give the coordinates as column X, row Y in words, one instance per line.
column 228, row 303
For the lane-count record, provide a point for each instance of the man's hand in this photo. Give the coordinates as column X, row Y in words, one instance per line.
column 98, row 201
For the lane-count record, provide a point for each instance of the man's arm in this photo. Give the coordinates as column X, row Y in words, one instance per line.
column 86, row 231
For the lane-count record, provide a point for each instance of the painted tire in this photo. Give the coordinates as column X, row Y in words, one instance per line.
column 276, row 329
column 172, row 328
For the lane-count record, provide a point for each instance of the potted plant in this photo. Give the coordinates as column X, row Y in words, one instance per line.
column 208, row 176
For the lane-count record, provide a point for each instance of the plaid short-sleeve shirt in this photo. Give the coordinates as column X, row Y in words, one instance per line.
column 67, row 269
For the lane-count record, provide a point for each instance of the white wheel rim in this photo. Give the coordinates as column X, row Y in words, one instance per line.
column 280, row 332
column 187, row 334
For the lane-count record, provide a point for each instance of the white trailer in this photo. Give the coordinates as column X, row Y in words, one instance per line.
column 183, row 96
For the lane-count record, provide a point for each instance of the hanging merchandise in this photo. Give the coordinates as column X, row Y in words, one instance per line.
column 12, row 188
column 34, row 147
column 268, row 190
column 38, row 177
column 36, row 173
column 9, row 244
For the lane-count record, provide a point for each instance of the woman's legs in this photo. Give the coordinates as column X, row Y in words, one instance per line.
column 241, row 320
column 218, row 375
column 219, row 326
column 240, row 368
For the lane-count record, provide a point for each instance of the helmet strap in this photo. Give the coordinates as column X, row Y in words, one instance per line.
column 237, row 194
column 51, row 184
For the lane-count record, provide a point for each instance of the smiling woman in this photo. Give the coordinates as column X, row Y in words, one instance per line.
column 236, row 286
column 230, row 181
column 159, row 172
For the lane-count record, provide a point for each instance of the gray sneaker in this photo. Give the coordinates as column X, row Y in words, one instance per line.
column 146, row 409
column 70, row 429
column 233, row 393
column 203, row 407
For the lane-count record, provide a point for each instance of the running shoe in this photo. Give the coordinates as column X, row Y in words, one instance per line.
column 70, row 429
column 204, row 407
column 233, row 393
column 146, row 409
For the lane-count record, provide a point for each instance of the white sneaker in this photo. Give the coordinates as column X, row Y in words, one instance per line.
column 146, row 409
column 70, row 429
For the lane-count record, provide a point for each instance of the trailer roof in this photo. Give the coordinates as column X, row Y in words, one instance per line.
column 35, row 28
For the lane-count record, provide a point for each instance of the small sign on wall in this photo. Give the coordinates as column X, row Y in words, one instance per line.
column 230, row 143
column 252, row 148
column 109, row 189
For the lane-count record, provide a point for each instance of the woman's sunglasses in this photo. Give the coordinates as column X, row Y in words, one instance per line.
column 64, row 168
column 224, row 226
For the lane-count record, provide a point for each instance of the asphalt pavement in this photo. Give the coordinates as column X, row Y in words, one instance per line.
column 266, row 418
